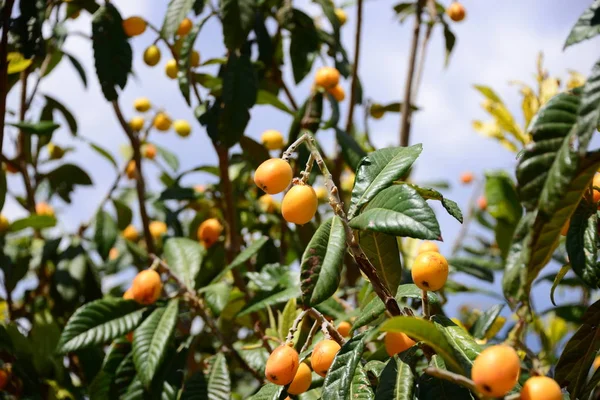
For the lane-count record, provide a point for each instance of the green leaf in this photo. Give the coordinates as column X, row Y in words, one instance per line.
column 243, row 257
column 432, row 388
column 105, row 234
column 254, row 152
column 124, row 214
column 216, row 296
column 397, row 381
column 587, row 26
column 99, row 322
column 265, row 97
column 112, row 52
column 184, row 256
column 304, row 44
column 449, row 41
column 399, row 211
column 3, row 189
column 176, row 12
column 463, row 345
column 269, row 391
column 339, row 377
column 183, row 63
column 559, row 276
column 375, row 308
column 591, row 385
column 33, row 221
column 36, row 128
column 431, row 194
column 485, row 322
column 504, row 206
column 581, row 244
column 382, row 250
column 379, row 170
column 467, row 266
column 579, row 353
column 63, row 180
column 280, row 296
column 219, row 383
column 287, row 317
column 53, row 104
column 101, row 387
column 322, row 262
column 151, row 340
column 78, row 67
column 240, row 87
column 104, row 153
column 360, row 388
column 237, row 18
column 425, row 331
column 170, row 158
column 351, row 150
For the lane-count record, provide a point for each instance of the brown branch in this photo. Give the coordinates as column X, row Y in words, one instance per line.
column 6, row 12
column 423, row 52
column 354, row 83
column 22, row 148
column 425, row 304
column 198, row 304
column 140, row 184
column 406, row 104
column 335, row 335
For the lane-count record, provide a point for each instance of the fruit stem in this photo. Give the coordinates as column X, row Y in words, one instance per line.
column 290, row 336
column 306, row 173
column 311, row 334
column 452, row 377
column 425, row 304
column 331, row 330
column 197, row 303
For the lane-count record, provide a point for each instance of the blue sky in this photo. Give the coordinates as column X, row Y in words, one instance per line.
column 497, row 42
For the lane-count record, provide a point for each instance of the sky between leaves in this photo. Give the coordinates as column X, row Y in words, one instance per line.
column 497, row 42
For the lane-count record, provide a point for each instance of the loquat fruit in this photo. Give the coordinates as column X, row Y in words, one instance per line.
column 282, row 365
column 456, row 11
column 131, row 170
column 344, row 328
column 130, row 233
column 327, row 77
column 171, row 68
column 134, row 26
column 182, row 127
column 199, row 188
column 209, row 232
column 142, row 104
column 10, row 168
column 482, row 203
column 157, row 229
column 55, row 152
column 4, row 224
column 301, row 381
column 267, row 203
column 149, row 151
column 376, row 110
column 113, row 254
column 146, row 287
column 272, row 139
column 43, row 208
column 299, row 204
column 428, row 246
column 341, row 15
column 273, row 175
column 322, row 193
column 136, row 124
column 466, row 177
column 152, row 55
column 596, row 362
column 338, row 93
column 323, row 355
column 194, row 59
column 430, row 271
column 184, row 27
column 162, row 122
column 397, row 342
column 596, row 193
column 496, row 370
column 3, row 379
column 541, row 388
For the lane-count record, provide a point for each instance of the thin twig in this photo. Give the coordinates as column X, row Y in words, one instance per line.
column 140, row 184
column 335, row 335
column 311, row 334
column 203, row 312
column 354, row 82
column 294, row 327
column 451, row 377
column 22, row 147
column 6, row 13
column 36, row 85
column 306, row 173
column 423, row 52
column 406, row 105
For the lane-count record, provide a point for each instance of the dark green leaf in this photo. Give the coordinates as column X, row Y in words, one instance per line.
column 504, row 206
column 36, row 128
column 351, row 150
column 33, row 221
column 361, row 389
column 467, row 266
column 382, row 250
column 105, row 234
column 449, row 41
column 184, row 256
column 170, row 158
column 581, row 243
column 219, row 383
column 304, row 44
column 266, row 97
column 559, row 276
column 124, row 214
column 104, row 153
column 254, row 152
column 268, row 392
column 379, row 170
column 2, row 188
column 176, row 12
column 78, row 67
column 237, row 22
column 587, row 26
column 463, row 345
column 53, row 104
column 432, row 388
column 216, row 296
column 322, row 262
column 579, row 353
column 243, row 257
column 431, row 194
column 399, row 211
column 99, row 322
column 397, row 381
column 198, row 6
column 339, row 377
column 183, row 63
column 63, row 179
column 280, row 296
column 484, row 323
column 151, row 340
column 112, row 52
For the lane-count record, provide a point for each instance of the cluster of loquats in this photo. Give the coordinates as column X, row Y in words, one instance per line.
column 300, row 203
column 160, row 121
column 328, row 79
